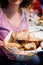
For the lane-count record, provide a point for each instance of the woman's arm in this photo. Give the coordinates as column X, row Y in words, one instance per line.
column 0, row 33
column 1, row 43
column 1, row 51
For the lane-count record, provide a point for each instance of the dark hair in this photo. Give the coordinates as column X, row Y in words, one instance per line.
column 4, row 3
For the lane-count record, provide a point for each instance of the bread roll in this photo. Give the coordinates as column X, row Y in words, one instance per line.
column 22, row 35
column 30, row 46
column 12, row 45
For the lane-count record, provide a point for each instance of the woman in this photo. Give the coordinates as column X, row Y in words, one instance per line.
column 14, row 18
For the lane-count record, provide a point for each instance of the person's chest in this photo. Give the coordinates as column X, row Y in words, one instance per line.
column 11, row 26
column 15, row 20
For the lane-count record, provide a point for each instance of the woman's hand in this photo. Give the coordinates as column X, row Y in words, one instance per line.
column 1, row 44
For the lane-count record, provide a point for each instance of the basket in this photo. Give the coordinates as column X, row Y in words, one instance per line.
column 14, row 54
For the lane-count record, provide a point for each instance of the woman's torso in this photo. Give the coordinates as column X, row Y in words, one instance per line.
column 6, row 26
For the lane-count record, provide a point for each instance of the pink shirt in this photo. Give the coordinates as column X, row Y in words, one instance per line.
column 5, row 26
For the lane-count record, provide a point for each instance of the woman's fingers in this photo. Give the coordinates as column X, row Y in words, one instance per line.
column 1, row 44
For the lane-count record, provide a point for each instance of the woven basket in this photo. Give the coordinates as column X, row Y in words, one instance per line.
column 16, row 55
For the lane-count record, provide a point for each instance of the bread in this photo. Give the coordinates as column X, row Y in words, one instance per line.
column 12, row 45
column 41, row 18
column 23, row 41
column 30, row 46
column 21, row 49
column 22, row 35
column 23, row 44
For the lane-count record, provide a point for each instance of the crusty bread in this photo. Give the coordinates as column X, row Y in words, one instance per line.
column 23, row 35
column 30, row 46
column 41, row 18
column 12, row 45
column 26, row 41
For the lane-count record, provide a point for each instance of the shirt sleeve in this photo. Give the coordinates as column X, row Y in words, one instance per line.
column 1, row 33
column 1, row 36
column 0, row 30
